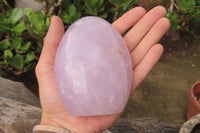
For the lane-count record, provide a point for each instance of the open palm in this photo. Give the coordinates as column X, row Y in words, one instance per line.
column 141, row 32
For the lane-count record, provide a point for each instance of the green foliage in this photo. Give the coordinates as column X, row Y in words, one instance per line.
column 121, row 6
column 30, row 57
column 74, row 9
column 5, row 2
column 70, row 15
column 9, row 24
column 172, row 16
column 37, row 22
column 18, row 52
column 22, row 31
column 17, row 61
column 95, row 8
column 187, row 5
column 186, row 17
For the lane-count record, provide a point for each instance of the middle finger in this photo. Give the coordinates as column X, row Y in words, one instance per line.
column 136, row 34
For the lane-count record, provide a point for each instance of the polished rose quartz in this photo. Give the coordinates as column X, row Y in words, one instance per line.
column 93, row 69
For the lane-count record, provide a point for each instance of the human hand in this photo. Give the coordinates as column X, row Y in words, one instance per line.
column 146, row 30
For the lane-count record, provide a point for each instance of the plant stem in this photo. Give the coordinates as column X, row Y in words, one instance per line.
column 54, row 6
column 46, row 7
column 60, row 11
column 173, row 4
column 6, row 3
column 116, row 13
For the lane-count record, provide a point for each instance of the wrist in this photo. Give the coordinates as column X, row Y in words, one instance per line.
column 73, row 124
column 49, row 124
column 49, row 119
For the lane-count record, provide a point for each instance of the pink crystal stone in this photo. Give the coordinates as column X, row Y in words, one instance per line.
column 93, row 69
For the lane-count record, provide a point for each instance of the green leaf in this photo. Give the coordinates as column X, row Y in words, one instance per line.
column 40, row 45
column 95, row 4
column 5, row 2
column 39, row 13
column 30, row 57
column 14, row 15
column 126, row 4
column 48, row 21
column 17, row 42
column 186, row 4
column 30, row 66
column 72, row 10
column 66, row 18
column 8, row 54
column 4, row 45
column 76, row 16
column 67, row 3
column 8, row 42
column 11, row 45
column 121, row 6
column 18, row 29
column 37, row 23
column 102, row 9
column 25, row 47
column 17, row 62
column 31, row 29
column 172, row 16
column 91, row 11
column 70, row 16
column 79, row 4
column 4, row 27
column 1, row 17
column 91, row 3
column 104, row 15
column 99, row 4
column 36, row 20
column 119, row 2
column 28, row 11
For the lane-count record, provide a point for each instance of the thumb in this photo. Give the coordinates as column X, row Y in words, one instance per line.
column 49, row 95
column 51, row 42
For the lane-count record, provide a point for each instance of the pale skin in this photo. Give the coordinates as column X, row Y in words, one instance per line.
column 141, row 32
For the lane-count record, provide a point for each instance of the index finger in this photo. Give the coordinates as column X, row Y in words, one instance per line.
column 127, row 20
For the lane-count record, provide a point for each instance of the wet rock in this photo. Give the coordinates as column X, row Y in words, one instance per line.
column 143, row 125
column 17, row 117
column 17, row 92
column 29, row 3
column 19, row 108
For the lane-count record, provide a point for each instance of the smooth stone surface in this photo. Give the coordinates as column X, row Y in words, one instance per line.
column 93, row 69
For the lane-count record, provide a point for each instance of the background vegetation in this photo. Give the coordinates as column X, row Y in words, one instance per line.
column 185, row 16
column 22, row 31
